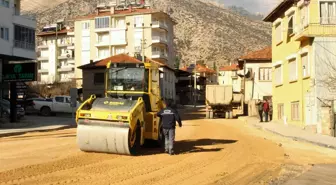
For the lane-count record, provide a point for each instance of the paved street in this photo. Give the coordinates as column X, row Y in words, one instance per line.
column 219, row 151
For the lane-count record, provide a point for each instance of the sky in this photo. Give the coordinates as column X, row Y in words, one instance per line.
column 253, row 6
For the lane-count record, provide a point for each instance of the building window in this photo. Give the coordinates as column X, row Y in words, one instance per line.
column 99, row 78
column 278, row 32
column 291, row 24
column 328, row 12
column 280, row 111
column 295, row 111
column 85, row 25
column 120, row 50
column 103, row 52
column 292, row 63
column 5, row 3
column 265, row 74
column 102, row 22
column 278, row 75
column 24, row 37
column 305, row 65
column 119, row 23
column 138, row 21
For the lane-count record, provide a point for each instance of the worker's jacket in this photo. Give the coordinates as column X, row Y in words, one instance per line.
column 169, row 117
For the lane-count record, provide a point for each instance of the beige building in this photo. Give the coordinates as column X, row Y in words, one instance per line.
column 56, row 60
column 114, row 30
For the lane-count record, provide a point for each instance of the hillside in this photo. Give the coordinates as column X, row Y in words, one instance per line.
column 205, row 32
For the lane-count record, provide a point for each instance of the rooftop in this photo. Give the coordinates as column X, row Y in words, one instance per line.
column 233, row 67
column 134, row 11
column 264, row 54
column 278, row 10
column 200, row 69
column 48, row 33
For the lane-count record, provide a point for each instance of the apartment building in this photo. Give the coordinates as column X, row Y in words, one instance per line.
column 132, row 29
column 56, row 60
column 17, row 35
column 303, row 55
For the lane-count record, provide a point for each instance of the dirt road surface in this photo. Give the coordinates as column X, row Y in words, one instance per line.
column 210, row 152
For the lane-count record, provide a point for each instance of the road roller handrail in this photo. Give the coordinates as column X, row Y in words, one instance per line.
column 88, row 101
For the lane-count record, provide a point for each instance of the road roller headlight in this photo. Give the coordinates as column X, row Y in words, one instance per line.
column 121, row 117
column 85, row 114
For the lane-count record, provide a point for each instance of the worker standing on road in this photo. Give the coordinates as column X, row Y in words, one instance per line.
column 266, row 109
column 169, row 117
column 260, row 110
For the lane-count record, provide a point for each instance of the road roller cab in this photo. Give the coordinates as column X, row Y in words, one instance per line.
column 126, row 117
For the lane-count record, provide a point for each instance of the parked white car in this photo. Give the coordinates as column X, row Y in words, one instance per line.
column 57, row 104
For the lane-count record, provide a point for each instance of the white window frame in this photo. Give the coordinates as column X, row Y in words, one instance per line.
column 303, row 23
column 85, row 25
column 305, row 52
column 278, row 23
column 280, row 65
column 268, row 69
column 333, row 21
column 289, row 58
column 101, row 22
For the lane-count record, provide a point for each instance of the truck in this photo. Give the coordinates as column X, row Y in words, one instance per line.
column 222, row 101
column 57, row 104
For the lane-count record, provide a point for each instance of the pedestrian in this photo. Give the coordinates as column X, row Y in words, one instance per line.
column 266, row 109
column 271, row 110
column 260, row 109
column 169, row 117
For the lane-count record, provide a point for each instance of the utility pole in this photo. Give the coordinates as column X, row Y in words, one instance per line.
column 195, row 84
column 143, row 43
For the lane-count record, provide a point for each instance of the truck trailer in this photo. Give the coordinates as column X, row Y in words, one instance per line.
column 222, row 101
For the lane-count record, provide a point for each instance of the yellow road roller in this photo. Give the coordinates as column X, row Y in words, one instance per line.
column 123, row 120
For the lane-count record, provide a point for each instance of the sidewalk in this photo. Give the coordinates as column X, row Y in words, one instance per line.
column 293, row 132
column 37, row 124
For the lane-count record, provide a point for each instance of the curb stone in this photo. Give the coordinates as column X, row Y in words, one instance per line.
column 42, row 130
column 295, row 138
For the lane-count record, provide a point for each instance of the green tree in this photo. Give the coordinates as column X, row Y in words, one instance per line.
column 177, row 62
column 215, row 66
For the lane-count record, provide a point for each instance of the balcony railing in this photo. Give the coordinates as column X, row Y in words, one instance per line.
column 24, row 45
column 317, row 27
column 159, row 54
column 159, row 24
column 159, row 39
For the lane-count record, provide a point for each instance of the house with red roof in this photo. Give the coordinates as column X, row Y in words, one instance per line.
column 228, row 75
column 258, row 72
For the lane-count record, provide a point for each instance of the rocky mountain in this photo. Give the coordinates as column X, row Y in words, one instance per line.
column 205, row 32
column 243, row 12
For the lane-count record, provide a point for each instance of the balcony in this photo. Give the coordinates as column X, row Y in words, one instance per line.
column 26, row 21
column 102, row 30
column 159, row 24
column 102, row 44
column 159, row 39
column 319, row 27
column 41, row 71
column 43, row 58
column 65, row 44
column 159, row 55
column 66, row 68
column 24, row 50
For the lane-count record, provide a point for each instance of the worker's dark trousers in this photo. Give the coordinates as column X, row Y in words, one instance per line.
column 261, row 115
column 169, row 139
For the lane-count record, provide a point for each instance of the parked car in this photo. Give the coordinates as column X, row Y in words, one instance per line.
column 57, row 104
column 29, row 105
column 5, row 109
